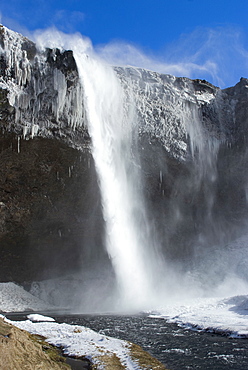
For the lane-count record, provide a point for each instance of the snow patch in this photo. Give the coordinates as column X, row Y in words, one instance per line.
column 228, row 316
column 39, row 318
column 14, row 298
column 77, row 341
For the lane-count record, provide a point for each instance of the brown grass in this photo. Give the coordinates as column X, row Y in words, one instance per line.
column 20, row 350
column 144, row 359
column 109, row 361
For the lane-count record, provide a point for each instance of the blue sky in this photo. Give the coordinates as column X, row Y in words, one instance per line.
column 194, row 38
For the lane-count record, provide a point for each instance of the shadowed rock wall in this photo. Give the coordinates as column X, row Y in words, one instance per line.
column 50, row 212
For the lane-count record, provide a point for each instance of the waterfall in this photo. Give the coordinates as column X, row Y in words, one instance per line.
column 143, row 278
column 178, row 164
column 111, row 124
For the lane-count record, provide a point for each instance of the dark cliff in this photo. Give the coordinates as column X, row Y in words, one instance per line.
column 50, row 201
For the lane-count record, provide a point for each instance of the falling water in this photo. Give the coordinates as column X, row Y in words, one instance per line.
column 143, row 278
column 111, row 126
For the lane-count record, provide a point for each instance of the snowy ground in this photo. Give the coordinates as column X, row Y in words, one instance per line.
column 79, row 341
column 226, row 309
column 14, row 298
column 73, row 339
column 229, row 315
column 226, row 316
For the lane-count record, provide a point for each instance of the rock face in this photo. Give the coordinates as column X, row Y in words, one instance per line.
column 48, row 208
column 192, row 147
column 50, row 201
column 43, row 88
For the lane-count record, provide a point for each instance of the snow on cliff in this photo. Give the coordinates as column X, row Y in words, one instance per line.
column 14, row 298
column 44, row 88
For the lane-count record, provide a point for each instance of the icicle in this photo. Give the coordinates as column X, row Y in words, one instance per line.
column 67, row 104
column 160, row 177
column 18, row 145
column 34, row 130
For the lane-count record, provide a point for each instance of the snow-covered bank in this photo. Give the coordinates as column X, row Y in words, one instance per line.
column 75, row 341
column 227, row 316
column 222, row 307
column 14, row 298
column 79, row 341
column 220, row 315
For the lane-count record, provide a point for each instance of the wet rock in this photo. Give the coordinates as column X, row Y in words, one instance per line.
column 50, row 212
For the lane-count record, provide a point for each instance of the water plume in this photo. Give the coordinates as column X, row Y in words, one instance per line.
column 112, row 125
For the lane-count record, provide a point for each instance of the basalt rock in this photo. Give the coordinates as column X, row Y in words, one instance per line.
column 50, row 212
column 50, row 201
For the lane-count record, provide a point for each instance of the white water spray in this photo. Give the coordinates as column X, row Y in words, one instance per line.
column 111, row 127
column 111, row 133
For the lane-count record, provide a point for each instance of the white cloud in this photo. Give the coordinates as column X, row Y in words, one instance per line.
column 14, row 25
column 65, row 20
column 126, row 54
column 217, row 55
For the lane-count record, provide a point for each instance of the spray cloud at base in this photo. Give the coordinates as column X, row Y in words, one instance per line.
column 110, row 122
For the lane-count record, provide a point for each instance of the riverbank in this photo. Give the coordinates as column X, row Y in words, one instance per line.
column 19, row 349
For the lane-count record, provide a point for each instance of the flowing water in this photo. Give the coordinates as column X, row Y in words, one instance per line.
column 143, row 277
column 111, row 120
column 113, row 128
column 175, row 347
